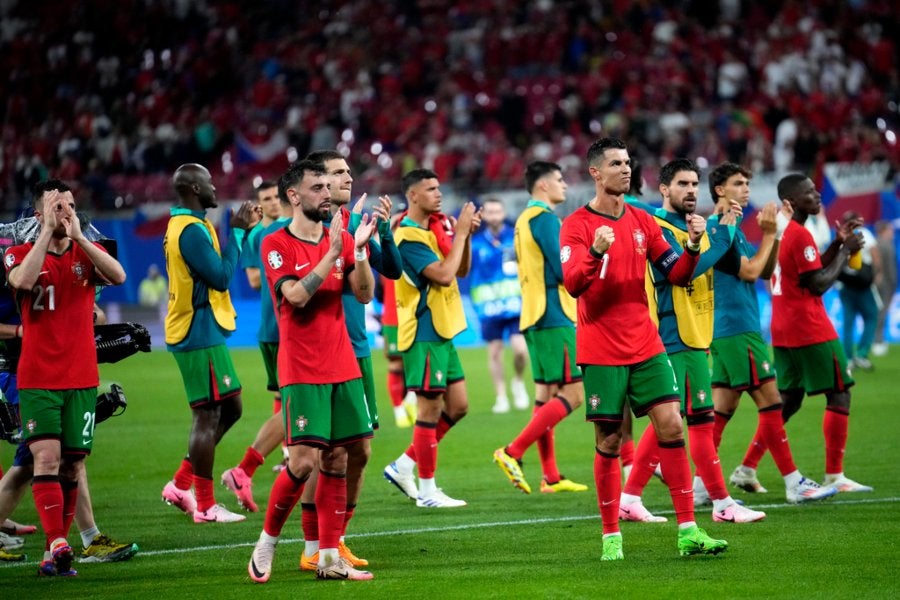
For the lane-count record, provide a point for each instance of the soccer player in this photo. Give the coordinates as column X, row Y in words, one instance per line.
column 324, row 407
column 548, row 315
column 497, row 299
column 385, row 259
column 741, row 361
column 808, row 355
column 239, row 479
column 859, row 297
column 403, row 401
column 605, row 247
column 53, row 282
column 200, row 317
column 430, row 313
column 685, row 319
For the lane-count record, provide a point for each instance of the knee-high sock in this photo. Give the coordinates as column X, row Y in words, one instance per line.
column 309, row 522
column 70, row 499
column 331, row 504
column 48, row 499
column 396, row 387
column 440, row 430
column 283, row 498
column 608, row 480
column 770, row 429
column 203, row 490
column 677, row 472
column 646, row 459
column 351, row 508
column 835, row 424
column 706, row 461
column 626, row 452
column 184, row 476
column 252, row 460
column 755, row 451
column 547, row 450
column 721, row 420
column 425, row 447
column 542, row 420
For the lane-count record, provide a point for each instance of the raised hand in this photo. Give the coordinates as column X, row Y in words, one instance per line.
column 696, row 227
column 382, row 210
column 335, row 235
column 247, row 214
column 358, row 207
column 766, row 218
column 604, row 236
column 364, row 232
column 464, row 221
column 476, row 221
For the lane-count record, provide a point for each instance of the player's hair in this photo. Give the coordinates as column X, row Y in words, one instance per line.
column 414, row 177
column 668, row 170
column 723, row 173
column 37, row 192
column 322, row 156
column 637, row 178
column 536, row 170
column 787, row 185
column 295, row 174
column 598, row 149
column 264, row 185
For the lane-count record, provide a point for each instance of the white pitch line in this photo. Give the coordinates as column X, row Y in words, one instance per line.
column 466, row 526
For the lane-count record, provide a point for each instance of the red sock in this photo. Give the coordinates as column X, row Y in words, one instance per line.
column 48, row 499
column 203, row 490
column 276, row 405
column 282, row 499
column 443, row 426
column 646, row 459
column 331, row 504
column 770, row 429
column 252, row 460
column 184, row 476
column 351, row 508
column 425, row 448
column 626, row 452
column 755, row 451
column 608, row 479
column 1, row 470
column 543, row 420
column 721, row 420
column 834, row 426
column 396, row 387
column 546, row 448
column 706, row 461
column 677, row 473
column 309, row 521
column 70, row 499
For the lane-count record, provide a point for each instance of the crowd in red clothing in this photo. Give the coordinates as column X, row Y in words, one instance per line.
column 115, row 94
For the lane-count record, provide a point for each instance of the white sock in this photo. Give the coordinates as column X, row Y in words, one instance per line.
column 88, row 535
column 698, row 484
column 311, row 547
column 792, row 479
column 427, row 486
column 687, row 525
column 405, row 464
column 328, row 556
column 627, row 499
column 720, row 505
column 269, row 539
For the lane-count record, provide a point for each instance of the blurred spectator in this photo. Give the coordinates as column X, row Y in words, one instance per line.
column 886, row 281
column 859, row 298
column 154, row 291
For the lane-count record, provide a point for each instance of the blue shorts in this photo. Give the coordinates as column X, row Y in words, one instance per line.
column 494, row 328
column 23, row 455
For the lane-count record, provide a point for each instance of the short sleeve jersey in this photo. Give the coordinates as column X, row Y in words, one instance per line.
column 315, row 346
column 614, row 326
column 799, row 317
column 58, row 351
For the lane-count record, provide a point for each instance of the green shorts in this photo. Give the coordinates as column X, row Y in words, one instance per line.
column 329, row 414
column 741, row 362
column 66, row 415
column 431, row 366
column 389, row 332
column 269, row 352
column 208, row 375
column 692, row 376
column 644, row 385
column 552, row 353
column 368, row 382
column 816, row 369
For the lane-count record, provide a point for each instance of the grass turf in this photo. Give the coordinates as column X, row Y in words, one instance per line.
column 504, row 544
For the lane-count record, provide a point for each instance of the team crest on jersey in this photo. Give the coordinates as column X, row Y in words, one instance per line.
column 227, row 380
column 640, row 241
column 439, row 376
column 594, row 401
column 809, row 253
column 274, row 259
column 565, row 254
column 31, row 425
column 339, row 268
column 766, row 366
column 701, row 395
column 302, row 422
column 78, row 270
column 10, row 259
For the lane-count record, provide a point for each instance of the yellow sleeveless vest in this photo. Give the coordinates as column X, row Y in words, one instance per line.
column 445, row 302
column 531, row 274
column 693, row 304
column 181, row 284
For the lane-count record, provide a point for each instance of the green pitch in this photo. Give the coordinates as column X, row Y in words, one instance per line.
column 504, row 544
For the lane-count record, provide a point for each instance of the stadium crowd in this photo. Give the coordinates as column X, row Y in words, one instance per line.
column 474, row 91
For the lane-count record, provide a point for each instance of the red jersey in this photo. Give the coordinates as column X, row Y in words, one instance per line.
column 614, row 326
column 58, row 350
column 314, row 346
column 799, row 317
column 390, row 302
